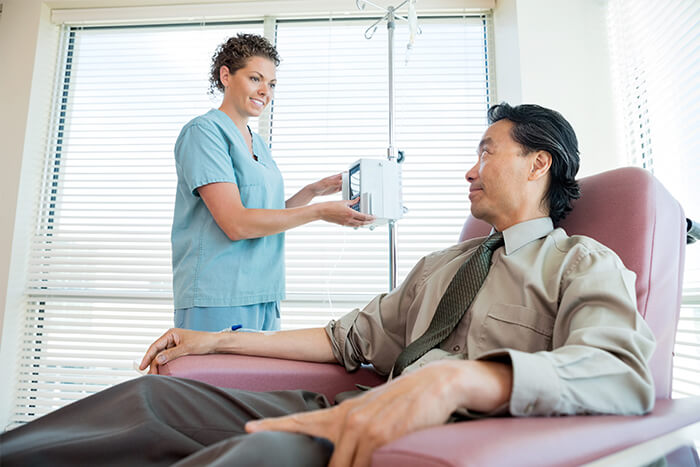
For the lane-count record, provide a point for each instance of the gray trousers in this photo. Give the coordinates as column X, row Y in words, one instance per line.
column 156, row 420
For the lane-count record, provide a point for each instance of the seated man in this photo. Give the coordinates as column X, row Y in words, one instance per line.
column 528, row 322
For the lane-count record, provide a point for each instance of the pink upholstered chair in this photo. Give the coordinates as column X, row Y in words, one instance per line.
column 625, row 209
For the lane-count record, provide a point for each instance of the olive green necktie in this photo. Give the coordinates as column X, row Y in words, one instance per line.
column 454, row 302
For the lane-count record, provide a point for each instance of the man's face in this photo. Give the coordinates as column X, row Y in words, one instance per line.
column 498, row 181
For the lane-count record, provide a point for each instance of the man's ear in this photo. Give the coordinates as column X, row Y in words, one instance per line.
column 540, row 165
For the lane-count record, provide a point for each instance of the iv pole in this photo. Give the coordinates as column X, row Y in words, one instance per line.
column 390, row 17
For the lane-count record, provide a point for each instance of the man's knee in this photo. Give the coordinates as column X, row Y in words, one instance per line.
column 139, row 394
column 275, row 448
column 146, row 382
column 153, row 384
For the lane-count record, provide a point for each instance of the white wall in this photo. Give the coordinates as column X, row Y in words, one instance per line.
column 27, row 52
column 550, row 52
column 554, row 53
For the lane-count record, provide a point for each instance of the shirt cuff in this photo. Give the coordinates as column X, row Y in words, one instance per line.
column 338, row 331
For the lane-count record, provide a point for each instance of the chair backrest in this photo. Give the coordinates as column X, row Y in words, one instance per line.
column 629, row 211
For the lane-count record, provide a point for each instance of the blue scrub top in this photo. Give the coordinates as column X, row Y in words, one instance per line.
column 208, row 268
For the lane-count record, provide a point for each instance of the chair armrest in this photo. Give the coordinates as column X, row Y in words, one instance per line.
column 269, row 374
column 536, row 441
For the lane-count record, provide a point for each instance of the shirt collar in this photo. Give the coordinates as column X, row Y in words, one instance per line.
column 523, row 233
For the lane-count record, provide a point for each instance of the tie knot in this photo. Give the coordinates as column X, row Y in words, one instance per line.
column 494, row 241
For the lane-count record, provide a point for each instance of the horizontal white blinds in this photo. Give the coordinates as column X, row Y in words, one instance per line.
column 108, row 198
column 655, row 63
column 99, row 287
column 331, row 108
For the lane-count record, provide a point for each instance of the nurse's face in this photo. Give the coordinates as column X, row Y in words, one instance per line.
column 251, row 88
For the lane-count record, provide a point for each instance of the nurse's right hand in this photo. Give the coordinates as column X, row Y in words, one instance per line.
column 340, row 212
column 176, row 343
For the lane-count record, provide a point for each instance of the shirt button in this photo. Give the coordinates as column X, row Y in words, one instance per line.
column 456, row 348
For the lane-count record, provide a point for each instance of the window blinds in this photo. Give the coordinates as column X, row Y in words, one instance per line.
column 99, row 285
column 331, row 108
column 99, row 281
column 654, row 59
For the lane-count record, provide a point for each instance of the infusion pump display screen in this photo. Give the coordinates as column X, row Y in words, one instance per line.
column 354, row 185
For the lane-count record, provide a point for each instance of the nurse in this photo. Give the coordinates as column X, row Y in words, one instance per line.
column 230, row 213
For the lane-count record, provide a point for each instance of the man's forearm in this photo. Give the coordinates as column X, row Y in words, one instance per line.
column 414, row 401
column 311, row 345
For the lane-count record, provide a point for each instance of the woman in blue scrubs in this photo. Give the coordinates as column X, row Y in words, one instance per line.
column 230, row 213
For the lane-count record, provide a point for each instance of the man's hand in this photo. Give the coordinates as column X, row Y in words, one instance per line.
column 417, row 400
column 176, row 343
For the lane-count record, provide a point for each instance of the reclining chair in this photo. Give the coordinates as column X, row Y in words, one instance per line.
column 626, row 209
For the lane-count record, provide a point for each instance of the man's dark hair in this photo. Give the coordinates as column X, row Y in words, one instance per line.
column 234, row 54
column 536, row 128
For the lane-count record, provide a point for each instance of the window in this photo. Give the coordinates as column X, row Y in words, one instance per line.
column 655, row 66
column 99, row 284
column 331, row 108
column 99, row 287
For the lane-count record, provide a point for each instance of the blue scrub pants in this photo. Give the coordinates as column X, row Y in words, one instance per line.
column 256, row 317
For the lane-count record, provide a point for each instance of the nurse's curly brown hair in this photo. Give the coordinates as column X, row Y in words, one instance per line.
column 234, row 54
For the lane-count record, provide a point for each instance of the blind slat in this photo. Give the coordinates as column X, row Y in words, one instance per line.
column 655, row 68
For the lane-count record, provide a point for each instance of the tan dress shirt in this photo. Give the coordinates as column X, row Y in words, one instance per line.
column 562, row 310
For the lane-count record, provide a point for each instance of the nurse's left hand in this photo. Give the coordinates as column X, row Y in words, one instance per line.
column 176, row 343
column 327, row 186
